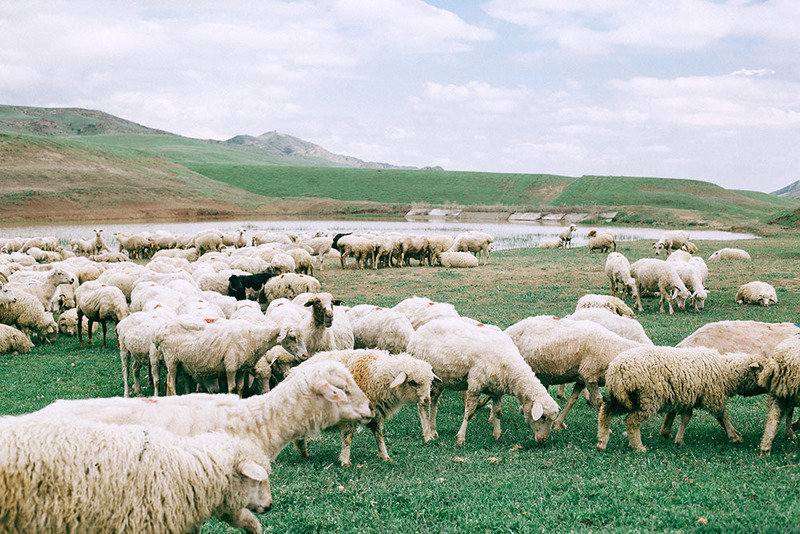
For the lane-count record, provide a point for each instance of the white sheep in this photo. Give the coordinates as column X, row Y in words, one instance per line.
column 134, row 336
column 756, row 293
column 14, row 341
column 27, row 313
column 282, row 263
column 320, row 245
column 381, row 328
column 68, row 323
column 235, row 239
column 679, row 255
column 81, row 476
column 618, row 271
column 781, row 379
column 413, row 246
column 475, row 242
column 691, row 274
column 208, row 241
column 550, row 243
column 303, row 262
column 659, row 275
column 458, row 259
column 99, row 303
column 565, row 235
column 626, row 327
column 421, row 310
column 389, row 382
column 360, row 247
column 608, row 302
column 603, row 241
column 740, row 336
column 729, row 254
column 646, row 380
column 561, row 351
column 480, row 360
column 437, row 243
column 289, row 285
column 42, row 285
column 671, row 240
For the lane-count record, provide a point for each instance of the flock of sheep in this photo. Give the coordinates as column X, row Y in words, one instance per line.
column 219, row 315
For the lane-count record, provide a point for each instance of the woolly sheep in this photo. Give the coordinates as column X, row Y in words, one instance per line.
column 618, row 271
column 437, row 243
column 382, row 328
column 475, row 242
column 388, row 381
column 622, row 326
column 659, row 275
column 608, row 302
column 480, row 360
column 671, row 240
column 645, row 380
column 781, row 379
column 319, row 328
column 289, row 285
column 729, row 254
column 679, row 255
column 691, row 274
column 42, row 285
column 27, row 313
column 604, row 242
column 134, row 336
column 563, row 351
column 361, row 248
column 740, row 336
column 756, row 293
column 68, row 323
column 99, row 302
column 565, row 235
column 690, row 247
column 458, row 259
column 413, row 246
column 282, row 263
column 208, row 240
column 113, row 478
column 14, row 341
column 302, row 261
column 421, row 310
column 550, row 243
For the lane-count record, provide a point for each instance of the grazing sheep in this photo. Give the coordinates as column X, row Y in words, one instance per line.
column 781, row 378
column 618, row 271
column 136, row 246
column 603, row 241
column 644, row 381
column 729, row 254
column 42, row 285
column 360, row 247
column 303, row 262
column 608, row 302
column 475, row 242
column 81, row 476
column 480, row 360
column 565, row 235
column 458, row 259
column 134, row 337
column 321, row 245
column 27, row 313
column 622, row 326
column 389, row 382
column 740, row 336
column 437, row 243
column 208, row 241
column 382, row 328
column 68, row 323
column 14, row 341
column 691, row 274
column 289, row 285
column 561, row 351
column 550, row 243
column 690, row 247
column 247, row 286
column 282, row 263
column 412, row 246
column 99, row 302
column 661, row 276
column 756, row 293
column 671, row 240
column 421, row 310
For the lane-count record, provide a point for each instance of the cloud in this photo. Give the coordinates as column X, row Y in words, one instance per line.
column 474, row 96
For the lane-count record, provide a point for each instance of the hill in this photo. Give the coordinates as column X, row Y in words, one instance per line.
column 790, row 191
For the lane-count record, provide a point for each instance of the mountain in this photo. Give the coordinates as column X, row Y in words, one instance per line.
column 790, row 191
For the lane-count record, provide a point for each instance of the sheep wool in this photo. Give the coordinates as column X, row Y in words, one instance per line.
column 458, row 259
column 614, row 304
column 729, row 254
column 756, row 293
column 740, row 336
column 14, row 341
column 382, row 328
column 421, row 310
column 99, row 302
column 622, row 326
column 781, row 378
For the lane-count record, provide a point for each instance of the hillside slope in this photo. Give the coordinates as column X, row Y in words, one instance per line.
column 790, row 191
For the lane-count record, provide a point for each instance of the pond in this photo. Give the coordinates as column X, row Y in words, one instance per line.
column 507, row 234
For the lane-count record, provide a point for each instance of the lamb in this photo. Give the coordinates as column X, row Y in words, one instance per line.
column 671, row 240
column 622, row 326
column 27, row 313
column 68, row 323
column 134, row 336
column 458, row 259
column 14, row 341
column 645, row 380
column 41, row 285
column 608, row 302
column 729, row 254
column 72, row 476
column 475, row 242
column 780, row 379
column 382, row 329
column 289, row 285
column 99, row 302
column 604, row 242
column 480, row 360
column 561, row 351
column 310, row 399
column 421, row 310
column 550, row 243
column 658, row 275
column 437, row 243
column 618, row 271
column 756, row 293
column 389, row 382
column 565, row 235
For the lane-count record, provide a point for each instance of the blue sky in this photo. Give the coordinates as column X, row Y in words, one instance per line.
column 698, row 89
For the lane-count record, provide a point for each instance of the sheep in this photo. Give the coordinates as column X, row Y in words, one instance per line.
column 134, row 336
column 475, row 242
column 550, row 243
column 437, row 243
column 360, row 247
column 480, row 360
column 608, row 302
column 604, row 242
column 302, row 261
column 84, row 247
column 729, row 254
column 659, row 275
column 208, row 241
column 289, row 285
column 622, row 326
column 671, row 240
column 320, row 245
column 136, row 246
column 282, row 263
column 780, row 379
column 561, row 351
column 646, row 380
column 382, row 328
column 41, row 285
column 412, row 246
column 691, row 274
column 388, row 381
column 235, row 239
column 99, row 302
column 27, row 313
column 421, row 310
column 14, row 341
column 68, row 323
column 80, row 476
column 756, row 293
column 458, row 259
column 312, row 398
column 238, row 285
column 565, row 235
column 740, row 336
column 618, row 271
column 260, row 238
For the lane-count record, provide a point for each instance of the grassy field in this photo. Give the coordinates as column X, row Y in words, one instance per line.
column 511, row 485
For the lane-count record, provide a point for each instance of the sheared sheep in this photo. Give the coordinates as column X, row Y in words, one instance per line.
column 756, row 293
column 458, row 259
column 608, row 302
column 565, row 235
column 671, row 240
column 729, row 254
column 99, row 302
column 475, row 242
column 618, row 271
column 661, row 276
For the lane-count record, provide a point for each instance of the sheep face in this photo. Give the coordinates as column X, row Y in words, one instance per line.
column 658, row 246
column 415, row 384
column 680, row 296
column 7, row 296
column 255, row 480
column 344, row 396
column 699, row 299
column 539, row 418
column 322, row 310
column 290, row 340
column 767, row 300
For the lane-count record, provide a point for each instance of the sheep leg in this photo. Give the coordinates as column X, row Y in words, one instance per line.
column 613, row 289
column 595, row 398
column 245, row 520
column 172, row 376
column 775, row 413
column 90, row 322
column 300, row 445
column 347, row 431
column 103, row 324
column 137, row 384
column 666, row 426
column 603, row 427
column 639, row 298
column 685, row 416
column 726, row 424
column 633, row 423
column 470, row 403
column 429, row 420
column 124, row 358
column 377, row 431
column 80, row 330
column 230, row 377
column 495, row 416
column 789, row 432
column 562, row 392
column 573, row 398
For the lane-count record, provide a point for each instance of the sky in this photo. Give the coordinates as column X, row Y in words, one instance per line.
column 696, row 89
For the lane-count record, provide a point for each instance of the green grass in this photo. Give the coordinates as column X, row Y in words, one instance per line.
column 512, row 485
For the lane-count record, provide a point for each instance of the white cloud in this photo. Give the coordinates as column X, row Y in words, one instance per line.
column 474, row 96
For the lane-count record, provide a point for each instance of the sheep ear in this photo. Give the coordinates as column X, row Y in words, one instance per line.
column 398, row 380
column 282, row 335
column 253, row 471
column 330, row 392
column 310, row 302
column 675, row 294
column 436, row 378
column 755, row 365
column 337, row 302
column 537, row 411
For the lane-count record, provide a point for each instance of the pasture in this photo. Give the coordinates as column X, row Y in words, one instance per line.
column 510, row 485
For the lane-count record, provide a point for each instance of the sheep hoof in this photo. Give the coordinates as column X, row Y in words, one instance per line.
column 387, row 459
column 559, row 426
column 666, row 434
column 601, row 447
column 764, row 452
column 345, row 464
column 640, row 449
column 737, row 438
column 680, row 442
column 460, row 442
